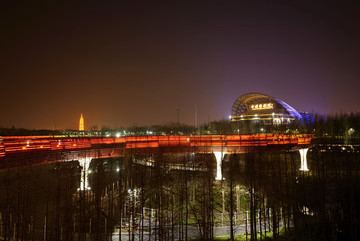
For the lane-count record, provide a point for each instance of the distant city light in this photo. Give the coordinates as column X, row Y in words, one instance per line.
column 351, row 131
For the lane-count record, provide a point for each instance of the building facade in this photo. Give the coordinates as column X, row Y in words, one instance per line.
column 263, row 109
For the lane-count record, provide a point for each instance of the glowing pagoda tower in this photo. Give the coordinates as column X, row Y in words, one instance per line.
column 81, row 123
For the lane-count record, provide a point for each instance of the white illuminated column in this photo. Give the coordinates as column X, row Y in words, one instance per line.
column 303, row 159
column 84, row 163
column 219, row 156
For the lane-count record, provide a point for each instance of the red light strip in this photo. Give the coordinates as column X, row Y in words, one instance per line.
column 11, row 144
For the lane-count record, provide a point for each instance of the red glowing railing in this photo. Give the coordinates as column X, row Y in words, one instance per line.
column 216, row 140
column 18, row 144
column 2, row 149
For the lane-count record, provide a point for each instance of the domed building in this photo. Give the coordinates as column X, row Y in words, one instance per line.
column 263, row 109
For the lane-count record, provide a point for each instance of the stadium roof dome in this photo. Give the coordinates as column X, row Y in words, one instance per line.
column 261, row 104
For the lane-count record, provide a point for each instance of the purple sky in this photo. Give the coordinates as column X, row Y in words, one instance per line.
column 124, row 64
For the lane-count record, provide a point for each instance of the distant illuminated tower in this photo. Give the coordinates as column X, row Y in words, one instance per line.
column 81, row 123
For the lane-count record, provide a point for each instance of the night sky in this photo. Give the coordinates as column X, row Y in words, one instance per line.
column 135, row 63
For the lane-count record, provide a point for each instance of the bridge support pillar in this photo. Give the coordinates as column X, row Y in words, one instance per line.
column 303, row 159
column 84, row 164
column 219, row 156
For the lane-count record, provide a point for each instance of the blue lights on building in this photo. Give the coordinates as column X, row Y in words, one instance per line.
column 264, row 109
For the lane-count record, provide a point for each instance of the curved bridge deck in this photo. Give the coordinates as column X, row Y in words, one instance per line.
column 56, row 148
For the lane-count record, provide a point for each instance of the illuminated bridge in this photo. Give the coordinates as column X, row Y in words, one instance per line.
column 28, row 150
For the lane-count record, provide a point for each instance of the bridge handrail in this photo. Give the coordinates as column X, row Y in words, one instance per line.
column 13, row 144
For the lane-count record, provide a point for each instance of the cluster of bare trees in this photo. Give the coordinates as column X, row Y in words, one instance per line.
column 36, row 203
column 164, row 203
column 345, row 125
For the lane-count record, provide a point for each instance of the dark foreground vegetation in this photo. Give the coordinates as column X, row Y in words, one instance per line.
column 175, row 197
column 262, row 196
